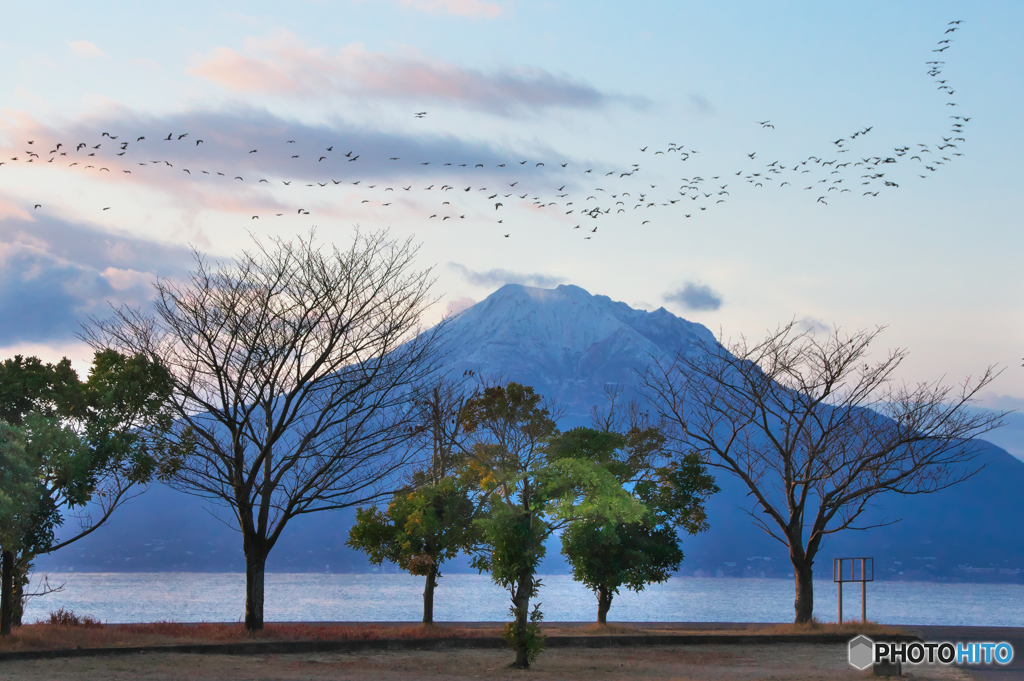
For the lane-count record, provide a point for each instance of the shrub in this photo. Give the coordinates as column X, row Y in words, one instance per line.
column 68, row 618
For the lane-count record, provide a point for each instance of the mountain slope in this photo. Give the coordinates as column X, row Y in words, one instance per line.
column 564, row 342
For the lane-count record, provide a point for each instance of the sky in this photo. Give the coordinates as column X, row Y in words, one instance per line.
column 742, row 164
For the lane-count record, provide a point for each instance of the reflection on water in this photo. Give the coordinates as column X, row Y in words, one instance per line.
column 212, row 597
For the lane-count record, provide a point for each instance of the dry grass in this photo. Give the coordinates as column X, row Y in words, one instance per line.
column 868, row 628
column 46, row 636
column 614, row 629
column 65, row 630
column 789, row 662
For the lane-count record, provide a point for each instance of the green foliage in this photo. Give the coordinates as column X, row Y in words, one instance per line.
column 25, row 519
column 127, row 399
column 420, row 528
column 514, row 538
column 535, row 481
column 28, row 385
column 530, row 637
column 628, row 549
column 64, row 443
column 513, row 414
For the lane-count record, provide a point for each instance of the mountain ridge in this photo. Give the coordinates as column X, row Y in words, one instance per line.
column 564, row 342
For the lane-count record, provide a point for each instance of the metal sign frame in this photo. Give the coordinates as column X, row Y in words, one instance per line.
column 867, row 574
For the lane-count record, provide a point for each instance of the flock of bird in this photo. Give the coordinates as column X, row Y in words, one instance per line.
column 584, row 199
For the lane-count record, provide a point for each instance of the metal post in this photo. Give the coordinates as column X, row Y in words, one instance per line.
column 840, row 597
column 863, row 592
column 839, row 576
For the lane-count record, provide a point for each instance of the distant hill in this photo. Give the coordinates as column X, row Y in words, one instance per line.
column 569, row 345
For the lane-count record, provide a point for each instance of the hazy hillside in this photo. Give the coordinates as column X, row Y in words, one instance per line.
column 569, row 344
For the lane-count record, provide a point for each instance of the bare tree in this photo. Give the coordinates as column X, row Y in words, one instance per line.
column 815, row 431
column 293, row 372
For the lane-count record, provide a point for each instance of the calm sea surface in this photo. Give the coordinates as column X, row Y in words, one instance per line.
column 212, row 597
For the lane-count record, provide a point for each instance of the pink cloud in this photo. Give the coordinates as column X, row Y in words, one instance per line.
column 462, row 8
column 285, row 66
column 459, row 305
column 12, row 210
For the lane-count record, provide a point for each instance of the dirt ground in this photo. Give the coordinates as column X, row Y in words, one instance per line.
column 793, row 662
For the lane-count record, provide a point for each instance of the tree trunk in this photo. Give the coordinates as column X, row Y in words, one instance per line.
column 6, row 592
column 521, row 601
column 604, row 603
column 428, row 595
column 17, row 598
column 804, row 603
column 255, row 570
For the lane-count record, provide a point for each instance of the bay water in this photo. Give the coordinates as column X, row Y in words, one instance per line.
column 220, row 597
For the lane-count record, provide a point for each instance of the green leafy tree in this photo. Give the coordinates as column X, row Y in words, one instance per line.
column 421, row 529
column 19, row 499
column 86, row 446
column 431, row 521
column 530, row 491
column 635, row 554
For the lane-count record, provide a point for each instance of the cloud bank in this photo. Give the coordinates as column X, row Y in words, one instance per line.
column 285, row 66
column 695, row 296
column 54, row 273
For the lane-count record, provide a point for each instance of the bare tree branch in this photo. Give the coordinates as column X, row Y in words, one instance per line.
column 294, row 372
column 815, row 429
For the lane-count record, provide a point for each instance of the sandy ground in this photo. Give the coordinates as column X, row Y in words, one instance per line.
column 794, row 662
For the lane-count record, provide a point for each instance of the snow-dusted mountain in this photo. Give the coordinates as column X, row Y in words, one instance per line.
column 565, row 342
column 568, row 344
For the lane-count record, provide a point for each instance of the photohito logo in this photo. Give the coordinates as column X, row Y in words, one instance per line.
column 864, row 652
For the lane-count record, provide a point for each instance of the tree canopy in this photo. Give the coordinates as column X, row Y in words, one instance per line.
column 608, row 555
column 72, row 447
column 531, row 488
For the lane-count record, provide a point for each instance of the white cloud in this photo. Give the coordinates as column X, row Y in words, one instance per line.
column 500, row 277
column 85, row 49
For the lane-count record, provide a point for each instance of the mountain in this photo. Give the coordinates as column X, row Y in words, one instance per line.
column 569, row 345
column 565, row 342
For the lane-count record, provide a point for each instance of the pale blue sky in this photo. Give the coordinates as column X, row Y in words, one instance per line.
column 588, row 84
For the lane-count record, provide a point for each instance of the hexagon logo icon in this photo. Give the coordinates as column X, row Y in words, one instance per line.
column 862, row 652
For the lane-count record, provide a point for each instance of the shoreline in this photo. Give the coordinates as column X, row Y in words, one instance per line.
column 993, row 578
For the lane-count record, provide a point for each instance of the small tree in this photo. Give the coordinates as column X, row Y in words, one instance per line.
column 20, row 496
column 530, row 491
column 420, row 530
column 816, row 432
column 645, row 551
column 292, row 371
column 87, row 447
column 431, row 521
